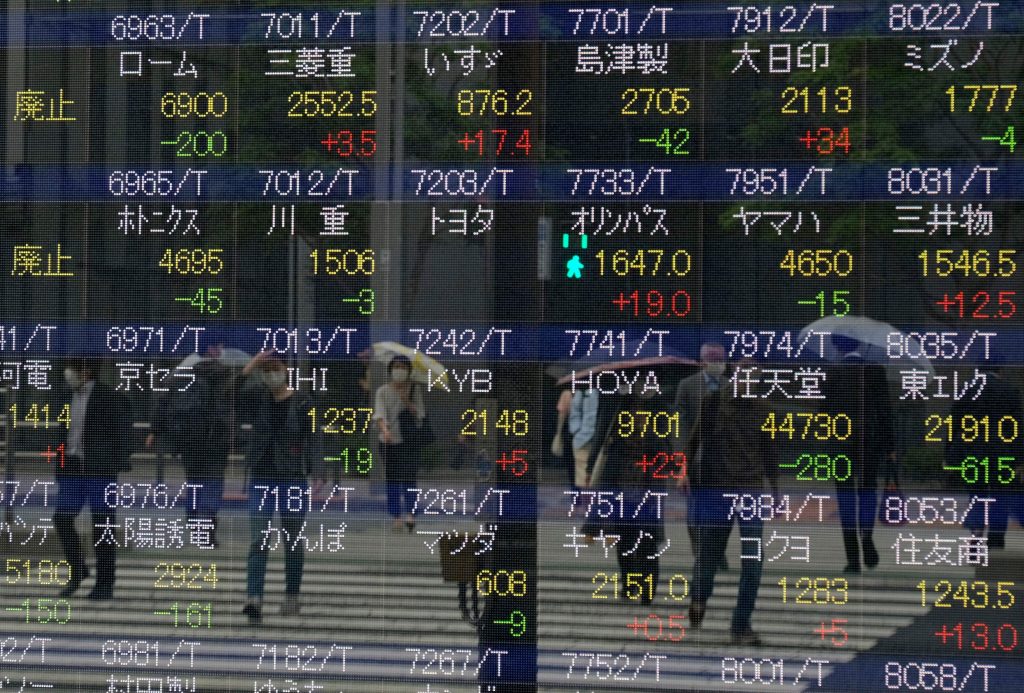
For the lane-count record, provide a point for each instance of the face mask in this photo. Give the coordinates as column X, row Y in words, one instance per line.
column 400, row 375
column 715, row 369
column 72, row 378
column 274, row 379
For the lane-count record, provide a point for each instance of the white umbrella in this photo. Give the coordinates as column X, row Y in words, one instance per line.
column 234, row 358
column 230, row 357
column 190, row 360
column 874, row 338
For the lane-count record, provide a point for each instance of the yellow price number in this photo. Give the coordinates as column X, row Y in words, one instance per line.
column 804, row 101
column 510, row 422
column 981, row 98
column 332, row 104
column 503, row 583
column 189, row 576
column 637, row 587
column 494, row 102
column 970, row 594
column 969, row 429
column 664, row 101
column 820, row 262
column 660, row 424
column 25, row 571
column 192, row 261
column 349, row 261
column 40, row 416
column 645, row 262
column 808, row 426
column 968, row 263
column 340, row 420
column 199, row 105
column 820, row 591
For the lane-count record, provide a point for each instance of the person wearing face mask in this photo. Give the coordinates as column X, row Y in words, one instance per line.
column 96, row 450
column 283, row 453
column 400, row 457
column 689, row 394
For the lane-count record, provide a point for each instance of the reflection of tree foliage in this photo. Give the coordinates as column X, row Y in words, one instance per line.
column 432, row 126
column 269, row 139
column 908, row 123
column 914, row 125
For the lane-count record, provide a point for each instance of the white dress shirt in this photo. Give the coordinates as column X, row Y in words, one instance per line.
column 76, row 432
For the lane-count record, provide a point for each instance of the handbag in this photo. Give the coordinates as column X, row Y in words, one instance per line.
column 415, row 432
column 458, row 562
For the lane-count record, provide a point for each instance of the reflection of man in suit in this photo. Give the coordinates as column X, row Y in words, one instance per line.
column 95, row 451
column 859, row 390
column 689, row 394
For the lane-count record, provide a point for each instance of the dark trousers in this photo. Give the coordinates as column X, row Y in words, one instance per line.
column 209, row 492
column 400, row 473
column 469, row 587
column 715, row 526
column 857, row 498
column 636, row 551
column 263, row 535
column 693, row 511
column 1007, row 503
column 74, row 492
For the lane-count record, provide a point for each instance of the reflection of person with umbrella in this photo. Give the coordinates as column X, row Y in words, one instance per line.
column 283, row 452
column 398, row 405
column 858, row 389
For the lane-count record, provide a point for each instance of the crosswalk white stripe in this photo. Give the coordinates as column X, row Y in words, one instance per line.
column 423, row 599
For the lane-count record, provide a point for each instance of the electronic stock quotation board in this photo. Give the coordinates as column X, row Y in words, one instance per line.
column 567, row 345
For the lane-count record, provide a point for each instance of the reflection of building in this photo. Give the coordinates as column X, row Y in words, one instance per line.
column 113, row 244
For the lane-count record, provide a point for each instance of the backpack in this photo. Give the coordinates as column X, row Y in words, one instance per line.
column 200, row 413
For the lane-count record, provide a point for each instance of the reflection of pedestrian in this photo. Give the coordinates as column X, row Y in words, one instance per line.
column 460, row 564
column 557, row 433
column 640, row 526
column 583, row 409
column 993, row 458
column 95, row 452
column 401, row 457
column 859, row 390
column 689, row 394
column 737, row 459
column 195, row 423
column 283, row 452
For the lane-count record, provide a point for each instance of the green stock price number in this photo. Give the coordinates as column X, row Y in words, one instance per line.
column 516, row 623
column 975, row 470
column 358, row 460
